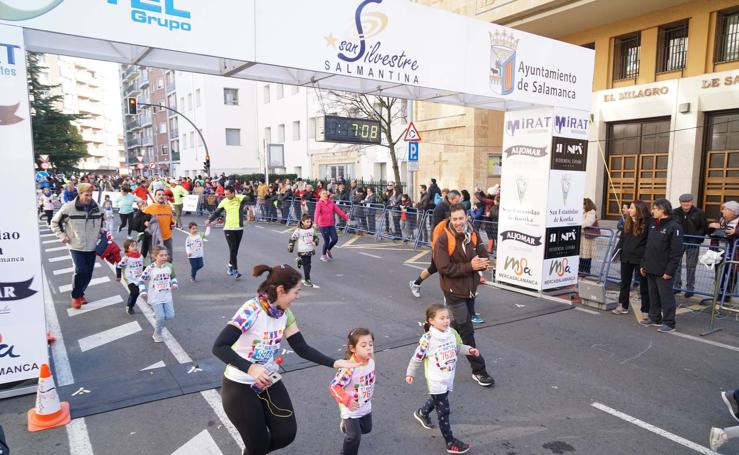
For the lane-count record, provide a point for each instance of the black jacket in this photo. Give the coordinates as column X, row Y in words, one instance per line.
column 633, row 246
column 441, row 212
column 694, row 223
column 664, row 247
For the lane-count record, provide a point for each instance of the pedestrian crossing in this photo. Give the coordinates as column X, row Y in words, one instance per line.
column 69, row 270
column 93, row 282
column 96, row 305
column 108, row 336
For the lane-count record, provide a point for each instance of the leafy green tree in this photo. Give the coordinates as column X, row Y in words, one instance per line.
column 53, row 131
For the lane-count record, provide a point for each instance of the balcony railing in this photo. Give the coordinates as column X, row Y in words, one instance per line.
column 130, row 72
column 173, row 134
column 133, row 142
column 131, row 90
column 132, row 122
column 146, row 119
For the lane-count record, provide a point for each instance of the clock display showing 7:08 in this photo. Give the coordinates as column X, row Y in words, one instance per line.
column 353, row 130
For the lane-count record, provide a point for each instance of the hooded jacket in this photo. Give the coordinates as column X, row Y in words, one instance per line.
column 324, row 213
column 664, row 247
column 81, row 224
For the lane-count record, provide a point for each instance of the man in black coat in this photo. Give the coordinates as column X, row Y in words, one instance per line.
column 661, row 259
column 695, row 224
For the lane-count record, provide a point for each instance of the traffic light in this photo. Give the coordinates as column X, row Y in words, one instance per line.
column 131, row 106
column 206, row 165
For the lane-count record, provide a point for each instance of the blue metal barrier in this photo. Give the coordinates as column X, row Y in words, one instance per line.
column 599, row 264
column 423, row 236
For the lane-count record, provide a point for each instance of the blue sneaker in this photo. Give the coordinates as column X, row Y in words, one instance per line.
column 229, row 270
column 476, row 319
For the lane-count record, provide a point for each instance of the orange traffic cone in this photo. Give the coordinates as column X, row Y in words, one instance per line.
column 49, row 412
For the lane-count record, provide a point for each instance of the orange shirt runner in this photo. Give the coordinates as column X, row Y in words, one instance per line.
column 164, row 216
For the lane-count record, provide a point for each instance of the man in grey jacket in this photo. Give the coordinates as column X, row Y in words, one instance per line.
column 78, row 224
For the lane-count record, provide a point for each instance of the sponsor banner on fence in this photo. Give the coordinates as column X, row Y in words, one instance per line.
column 560, row 272
column 22, row 324
column 562, row 242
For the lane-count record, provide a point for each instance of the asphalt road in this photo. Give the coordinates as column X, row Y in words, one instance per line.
column 569, row 380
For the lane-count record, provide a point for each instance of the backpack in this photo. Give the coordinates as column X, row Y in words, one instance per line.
column 451, row 240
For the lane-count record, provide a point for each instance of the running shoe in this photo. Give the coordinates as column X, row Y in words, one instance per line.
column 330, row 256
column 307, row 283
column 76, row 304
column 237, row 274
column 415, row 289
column 83, row 300
column 620, row 310
column 484, row 379
column 298, row 261
column 477, row 319
column 457, row 446
column 229, row 270
column 130, row 310
column 157, row 338
column 717, row 438
column 324, row 258
column 664, row 328
column 649, row 323
column 425, row 421
column 731, row 403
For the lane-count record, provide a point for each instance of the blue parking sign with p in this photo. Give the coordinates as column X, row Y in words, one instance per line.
column 413, row 151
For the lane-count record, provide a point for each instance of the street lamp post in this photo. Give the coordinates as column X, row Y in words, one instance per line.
column 205, row 144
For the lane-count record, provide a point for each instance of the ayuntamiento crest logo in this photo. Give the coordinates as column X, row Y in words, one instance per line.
column 13, row 13
column 502, row 62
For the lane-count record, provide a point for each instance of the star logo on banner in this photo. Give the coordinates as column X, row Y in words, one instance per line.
column 7, row 115
column 330, row 40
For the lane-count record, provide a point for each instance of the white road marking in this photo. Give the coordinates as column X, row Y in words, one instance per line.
column 57, row 248
column 93, row 282
column 584, row 310
column 79, row 439
column 370, row 255
column 202, row 444
column 415, row 266
column 656, row 430
column 277, row 231
column 108, row 336
column 703, row 340
column 48, row 235
column 212, row 397
column 97, row 304
column 48, row 242
column 259, row 227
column 153, row 366
column 69, row 270
column 60, row 258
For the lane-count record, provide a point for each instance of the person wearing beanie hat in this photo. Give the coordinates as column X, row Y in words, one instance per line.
column 695, row 227
column 79, row 224
column 727, row 227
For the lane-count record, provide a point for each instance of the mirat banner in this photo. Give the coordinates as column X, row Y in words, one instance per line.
column 22, row 324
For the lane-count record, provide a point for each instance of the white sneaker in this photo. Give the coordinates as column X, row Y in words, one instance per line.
column 157, row 338
column 415, row 288
column 717, row 438
column 620, row 310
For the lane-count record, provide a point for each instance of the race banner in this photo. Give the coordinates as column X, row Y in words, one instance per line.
column 22, row 324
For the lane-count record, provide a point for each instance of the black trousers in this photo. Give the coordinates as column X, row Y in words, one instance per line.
column 627, row 272
column 461, row 311
column 126, row 220
column 233, row 239
column 133, row 295
column 662, row 306
column 266, row 422
column 355, row 428
column 49, row 215
column 305, row 261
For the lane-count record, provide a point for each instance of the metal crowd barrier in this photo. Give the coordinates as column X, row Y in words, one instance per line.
column 488, row 232
column 423, row 237
column 725, row 287
column 600, row 263
column 390, row 224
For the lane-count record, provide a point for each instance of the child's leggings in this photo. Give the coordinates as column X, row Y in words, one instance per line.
column 355, row 428
column 133, row 294
column 441, row 404
column 306, row 261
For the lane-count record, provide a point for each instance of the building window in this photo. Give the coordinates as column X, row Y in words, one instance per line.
column 231, row 96
column 280, row 89
column 265, row 93
column 162, row 128
column 192, row 140
column 626, row 57
column 296, row 130
column 268, row 135
column 672, row 47
column 160, row 84
column 495, row 165
column 281, row 133
column 165, row 151
column 189, row 101
column 197, row 98
column 720, row 162
column 233, row 136
column 727, row 36
column 294, row 89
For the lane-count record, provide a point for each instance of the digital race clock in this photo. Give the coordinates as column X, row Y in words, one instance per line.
column 350, row 130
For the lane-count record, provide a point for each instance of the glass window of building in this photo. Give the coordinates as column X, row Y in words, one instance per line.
column 626, row 57
column 280, row 89
column 268, row 135
column 672, row 47
column 727, row 36
column 233, row 136
column 296, row 130
column 720, row 162
column 265, row 93
column 281, row 133
column 231, row 96
column 197, row 98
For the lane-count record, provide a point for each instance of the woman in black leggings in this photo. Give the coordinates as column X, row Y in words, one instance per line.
column 248, row 345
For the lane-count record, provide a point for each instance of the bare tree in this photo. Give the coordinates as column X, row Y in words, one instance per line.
column 387, row 110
